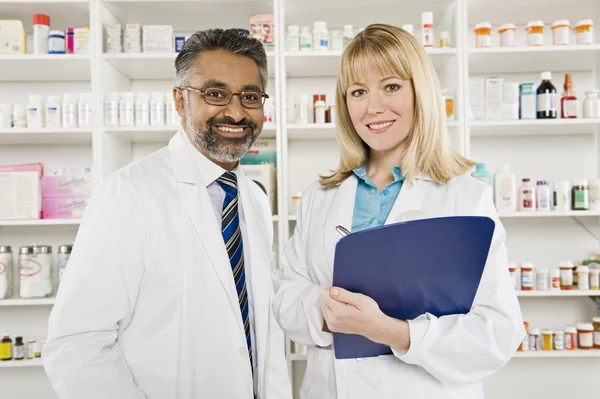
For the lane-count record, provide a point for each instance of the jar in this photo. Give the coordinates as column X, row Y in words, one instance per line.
column 596, row 324
column 541, row 280
column 585, row 335
column 6, row 110
column 512, row 269
column 583, row 278
column 566, row 275
column 580, row 196
column 85, row 112
column 527, row 276
column 591, row 105
column 111, row 109
column 293, row 38
column 6, row 265
column 559, row 340
column 320, row 36
column 547, row 339
column 542, row 196
column 524, row 345
column 534, row 338
column 64, row 254
column 584, row 32
column 570, row 338
column 535, row 33
column 305, row 39
column 507, row 35
column 53, row 112
column 448, row 99
column 30, row 348
column 171, row 114
column 555, row 280
column 562, row 196
column 56, row 42
column 296, row 199
column 35, row 271
column 483, row 35
column 302, row 110
column 594, row 279
column 35, row 114
column 332, row 117
column 142, row 109
column 560, row 32
column 445, row 39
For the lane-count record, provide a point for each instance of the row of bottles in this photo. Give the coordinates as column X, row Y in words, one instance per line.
column 547, row 102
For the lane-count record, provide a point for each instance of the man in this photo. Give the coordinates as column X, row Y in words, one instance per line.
column 167, row 293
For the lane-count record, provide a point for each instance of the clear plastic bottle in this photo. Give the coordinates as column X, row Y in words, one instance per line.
column 526, row 196
column 157, row 109
column 35, row 112
column 305, row 39
column 320, row 36
column 70, row 110
column 293, row 38
column 53, row 112
column 126, row 113
column 348, row 35
column 142, row 109
column 504, row 190
column 111, row 109
column 85, row 110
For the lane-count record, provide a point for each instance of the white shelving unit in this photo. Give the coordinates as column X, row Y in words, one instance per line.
column 560, row 149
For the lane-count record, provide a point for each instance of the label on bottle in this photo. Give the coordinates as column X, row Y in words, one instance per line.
column 5, row 351
column 484, row 40
column 584, row 37
column 535, row 39
column 427, row 35
column 546, row 103
column 570, row 108
column 527, row 199
column 580, row 199
column 19, row 352
column 527, row 279
column 597, row 337
column 505, row 197
column 566, row 277
column 586, row 339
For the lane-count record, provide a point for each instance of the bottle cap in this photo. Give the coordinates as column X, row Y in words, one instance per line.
column 507, row 27
column 546, row 75
column 584, row 22
column 427, row 18
column 526, row 179
column 542, row 182
column 41, row 19
column 560, row 22
column 504, row 168
column 409, row 28
column 483, row 25
column 480, row 166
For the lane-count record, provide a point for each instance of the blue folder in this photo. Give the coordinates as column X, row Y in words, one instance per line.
column 410, row 268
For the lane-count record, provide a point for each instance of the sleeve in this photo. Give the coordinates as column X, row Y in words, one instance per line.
column 297, row 298
column 82, row 356
column 462, row 349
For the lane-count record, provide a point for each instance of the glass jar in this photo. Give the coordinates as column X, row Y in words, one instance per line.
column 591, row 105
column 6, row 266
column 580, row 196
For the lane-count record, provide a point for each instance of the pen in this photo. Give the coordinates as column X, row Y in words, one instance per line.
column 342, row 230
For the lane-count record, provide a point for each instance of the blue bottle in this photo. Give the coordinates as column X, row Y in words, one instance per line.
column 482, row 174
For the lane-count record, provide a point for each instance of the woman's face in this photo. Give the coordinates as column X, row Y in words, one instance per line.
column 381, row 108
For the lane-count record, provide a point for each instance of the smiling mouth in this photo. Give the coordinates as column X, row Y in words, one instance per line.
column 231, row 131
column 380, row 126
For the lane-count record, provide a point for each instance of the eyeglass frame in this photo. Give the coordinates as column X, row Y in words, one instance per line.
column 263, row 95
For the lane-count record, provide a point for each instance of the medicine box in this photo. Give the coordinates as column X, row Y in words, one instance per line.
column 263, row 151
column 527, row 101
column 157, row 38
column 265, row 177
column 477, row 98
column 494, row 103
column 511, row 101
column 12, row 37
column 64, row 208
column 60, row 186
column 21, row 192
column 262, row 28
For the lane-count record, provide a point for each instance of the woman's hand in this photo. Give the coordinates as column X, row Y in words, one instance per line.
column 352, row 313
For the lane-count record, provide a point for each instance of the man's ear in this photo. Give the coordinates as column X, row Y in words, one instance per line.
column 179, row 101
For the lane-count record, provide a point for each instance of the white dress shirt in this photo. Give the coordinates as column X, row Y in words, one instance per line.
column 210, row 172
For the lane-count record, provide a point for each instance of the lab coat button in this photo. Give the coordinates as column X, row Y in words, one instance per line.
column 242, row 351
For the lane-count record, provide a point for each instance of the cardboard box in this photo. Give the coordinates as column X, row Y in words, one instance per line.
column 263, row 151
column 61, row 186
column 494, row 103
column 527, row 101
column 21, row 192
column 64, row 208
column 265, row 177
column 262, row 28
column 477, row 98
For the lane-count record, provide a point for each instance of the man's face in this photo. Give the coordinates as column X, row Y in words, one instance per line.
column 224, row 133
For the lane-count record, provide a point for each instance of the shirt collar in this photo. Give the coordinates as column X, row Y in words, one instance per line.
column 209, row 171
column 361, row 173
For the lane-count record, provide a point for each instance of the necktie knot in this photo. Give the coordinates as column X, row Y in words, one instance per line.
column 228, row 182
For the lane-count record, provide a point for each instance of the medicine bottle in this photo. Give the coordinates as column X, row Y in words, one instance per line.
column 53, row 112
column 535, row 33
column 570, row 338
column 30, row 348
column 85, row 110
column 445, row 39
column 427, row 29
column 527, row 276
column 542, row 195
column 157, row 109
column 568, row 100
column 555, row 280
column 507, row 35
column 320, row 36
column 526, row 196
column 56, row 42
column 547, row 340
column 594, row 279
column 302, row 110
column 546, row 98
column 583, row 278
column 337, row 40
column 512, row 269
column 35, row 115
column 534, row 339
column 585, row 335
column 591, row 105
column 19, row 116
column 541, row 280
column 293, row 38
column 580, row 196
column 584, row 32
column 558, row 340
column 483, row 35
column 562, row 196
column 142, row 109
column 41, row 33
column 6, row 267
column 5, row 348
column 19, row 349
column 566, row 275
column 320, row 111
column 524, row 345
column 306, row 43
column 70, row 110
column 126, row 113
column 348, row 35
column 172, row 116
column 596, row 325
column 560, row 32
column 505, row 192
column 111, row 109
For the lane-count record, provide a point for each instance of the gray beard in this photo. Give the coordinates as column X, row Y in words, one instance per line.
column 214, row 145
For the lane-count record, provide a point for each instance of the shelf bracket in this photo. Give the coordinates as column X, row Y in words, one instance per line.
column 586, row 228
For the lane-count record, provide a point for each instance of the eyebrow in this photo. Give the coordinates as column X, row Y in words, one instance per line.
column 382, row 80
column 223, row 85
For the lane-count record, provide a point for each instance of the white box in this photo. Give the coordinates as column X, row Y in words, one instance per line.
column 494, row 105
column 477, row 98
column 21, row 193
column 510, row 100
column 266, row 178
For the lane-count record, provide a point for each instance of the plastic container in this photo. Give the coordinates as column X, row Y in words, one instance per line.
column 527, row 276
column 555, row 280
column 580, row 196
column 504, row 190
column 52, row 112
column 35, row 272
column 157, row 109
column 535, row 33
column 56, row 42
column 172, row 116
column 562, row 196
column 594, row 279
column 596, row 325
column 594, row 188
column 542, row 195
column 427, row 29
column 142, row 109
column 445, row 39
column 293, row 38
column 85, row 110
column 349, row 35
column 337, row 40
column 558, row 338
column 547, row 340
column 591, row 105
column 507, row 35
column 583, row 278
column 527, row 199
column 448, row 99
column 70, row 110
column 541, row 280
column 585, row 336
column 111, row 109
column 6, row 267
column 306, row 43
column 584, row 32
column 126, row 107
column 483, row 35
column 481, row 173
column 320, row 111
column 570, row 338
column 512, row 269
column 566, row 275
column 6, row 110
column 41, row 33
column 320, row 36
column 35, row 112
column 534, row 339
column 560, row 32
column 19, row 116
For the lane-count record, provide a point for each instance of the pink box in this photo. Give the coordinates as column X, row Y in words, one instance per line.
column 262, row 27
column 64, row 208
column 62, row 186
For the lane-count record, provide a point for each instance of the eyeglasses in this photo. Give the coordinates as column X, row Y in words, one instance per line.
column 251, row 99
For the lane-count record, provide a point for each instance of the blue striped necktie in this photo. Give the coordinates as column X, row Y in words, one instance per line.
column 232, row 236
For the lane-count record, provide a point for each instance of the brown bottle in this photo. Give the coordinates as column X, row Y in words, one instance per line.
column 6, row 348
column 19, row 349
column 568, row 101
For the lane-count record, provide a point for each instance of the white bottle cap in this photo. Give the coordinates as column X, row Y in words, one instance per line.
column 293, row 28
column 527, row 265
column 70, row 97
column 507, row 27
column 427, row 18
column 504, row 168
column 409, row 28
column 53, row 100
column 35, row 99
column 127, row 95
column 112, row 95
column 319, row 25
column 546, row 75
column 561, row 22
column 158, row 95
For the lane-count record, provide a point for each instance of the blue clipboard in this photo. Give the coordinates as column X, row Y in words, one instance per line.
column 410, row 268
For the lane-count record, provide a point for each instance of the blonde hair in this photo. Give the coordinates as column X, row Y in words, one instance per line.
column 429, row 150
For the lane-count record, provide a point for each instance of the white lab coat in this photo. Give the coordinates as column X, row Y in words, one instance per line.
column 448, row 356
column 148, row 307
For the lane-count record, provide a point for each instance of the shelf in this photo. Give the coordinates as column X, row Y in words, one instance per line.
column 45, row 68
column 162, row 134
column 156, row 65
column 326, row 63
column 565, row 293
column 541, row 214
column 34, row 136
column 40, row 222
column 591, row 353
column 21, row 363
column 311, row 131
column 533, row 127
column 532, row 59
column 27, row 302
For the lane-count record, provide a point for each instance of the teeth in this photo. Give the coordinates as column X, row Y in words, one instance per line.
column 231, row 130
column 380, row 125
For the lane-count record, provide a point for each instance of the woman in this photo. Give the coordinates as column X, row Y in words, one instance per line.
column 396, row 157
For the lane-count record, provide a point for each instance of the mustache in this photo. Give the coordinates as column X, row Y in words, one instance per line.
column 230, row 121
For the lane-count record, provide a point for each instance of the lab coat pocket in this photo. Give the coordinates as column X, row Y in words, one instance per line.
column 319, row 377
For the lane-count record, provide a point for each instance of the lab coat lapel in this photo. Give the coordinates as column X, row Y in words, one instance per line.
column 410, row 201
column 340, row 213
column 197, row 204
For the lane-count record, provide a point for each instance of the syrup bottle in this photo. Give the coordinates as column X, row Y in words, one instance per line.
column 568, row 101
